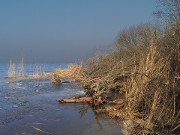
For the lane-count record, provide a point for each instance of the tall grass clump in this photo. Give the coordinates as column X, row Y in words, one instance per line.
column 12, row 69
column 16, row 70
column 73, row 71
column 21, row 68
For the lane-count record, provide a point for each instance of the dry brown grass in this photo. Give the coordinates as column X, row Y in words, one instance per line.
column 73, row 71
column 37, row 76
column 147, row 77
column 151, row 91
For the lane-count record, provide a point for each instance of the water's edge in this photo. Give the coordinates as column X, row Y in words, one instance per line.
column 30, row 107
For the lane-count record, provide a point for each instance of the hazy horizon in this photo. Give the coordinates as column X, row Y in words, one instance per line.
column 65, row 31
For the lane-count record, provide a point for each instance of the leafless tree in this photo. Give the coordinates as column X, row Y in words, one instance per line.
column 170, row 13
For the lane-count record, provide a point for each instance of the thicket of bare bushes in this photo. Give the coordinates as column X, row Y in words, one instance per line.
column 143, row 68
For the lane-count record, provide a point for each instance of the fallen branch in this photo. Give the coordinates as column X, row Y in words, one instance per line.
column 76, row 100
column 102, row 110
column 175, row 128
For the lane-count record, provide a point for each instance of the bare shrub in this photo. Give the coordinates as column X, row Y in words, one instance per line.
column 144, row 68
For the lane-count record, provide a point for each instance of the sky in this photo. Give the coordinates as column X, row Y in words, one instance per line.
column 65, row 30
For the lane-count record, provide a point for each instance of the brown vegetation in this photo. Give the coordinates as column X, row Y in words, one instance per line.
column 73, row 72
column 43, row 75
column 143, row 70
column 140, row 75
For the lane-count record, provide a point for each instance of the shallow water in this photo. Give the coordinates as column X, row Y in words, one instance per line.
column 30, row 107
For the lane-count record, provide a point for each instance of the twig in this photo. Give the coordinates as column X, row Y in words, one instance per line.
column 175, row 128
column 41, row 130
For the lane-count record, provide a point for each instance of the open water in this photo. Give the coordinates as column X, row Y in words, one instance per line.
column 31, row 107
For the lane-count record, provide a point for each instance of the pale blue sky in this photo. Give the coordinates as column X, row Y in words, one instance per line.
column 65, row 30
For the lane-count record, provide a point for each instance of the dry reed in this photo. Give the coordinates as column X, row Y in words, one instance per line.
column 17, row 71
column 147, row 77
column 73, row 71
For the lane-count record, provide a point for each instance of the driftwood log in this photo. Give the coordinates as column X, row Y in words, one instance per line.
column 88, row 100
column 77, row 100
